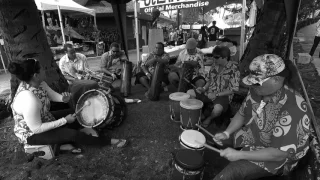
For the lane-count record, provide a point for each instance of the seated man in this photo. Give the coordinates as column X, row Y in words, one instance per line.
column 73, row 65
column 193, row 55
column 111, row 61
column 272, row 126
column 222, row 81
column 148, row 66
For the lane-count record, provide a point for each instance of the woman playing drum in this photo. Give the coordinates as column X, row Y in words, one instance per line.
column 34, row 124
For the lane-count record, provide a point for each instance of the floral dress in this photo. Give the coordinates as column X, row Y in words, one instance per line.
column 21, row 129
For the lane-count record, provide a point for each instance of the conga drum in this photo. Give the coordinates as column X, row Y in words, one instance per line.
column 126, row 75
column 187, row 164
column 174, row 105
column 188, row 140
column 190, row 113
column 187, row 72
column 156, row 81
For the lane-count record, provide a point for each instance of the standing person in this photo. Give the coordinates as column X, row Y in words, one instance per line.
column 316, row 40
column 58, row 37
column 213, row 32
column 111, row 61
column 202, row 38
column 173, row 37
column 273, row 125
column 35, row 124
column 148, row 67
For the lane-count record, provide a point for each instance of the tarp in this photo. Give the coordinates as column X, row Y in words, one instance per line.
column 45, row 5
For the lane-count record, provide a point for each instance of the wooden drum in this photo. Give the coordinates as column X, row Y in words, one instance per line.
column 187, row 140
column 190, row 113
column 174, row 105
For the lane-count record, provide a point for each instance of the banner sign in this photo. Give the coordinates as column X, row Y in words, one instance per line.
column 168, row 5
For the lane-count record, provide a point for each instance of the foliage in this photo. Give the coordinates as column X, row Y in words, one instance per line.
column 307, row 8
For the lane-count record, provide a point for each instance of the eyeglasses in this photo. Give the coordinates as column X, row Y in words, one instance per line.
column 216, row 57
column 115, row 51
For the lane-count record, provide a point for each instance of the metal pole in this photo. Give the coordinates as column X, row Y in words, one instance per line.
column 95, row 20
column 61, row 25
column 3, row 64
column 43, row 20
column 136, row 30
column 243, row 31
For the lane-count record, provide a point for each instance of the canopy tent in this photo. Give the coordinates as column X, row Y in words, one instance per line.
column 45, row 5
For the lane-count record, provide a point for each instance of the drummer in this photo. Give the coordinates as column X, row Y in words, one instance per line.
column 193, row 55
column 148, row 66
column 272, row 127
column 111, row 61
column 35, row 124
column 222, row 82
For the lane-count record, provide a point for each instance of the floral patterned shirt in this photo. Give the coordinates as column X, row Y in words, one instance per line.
column 151, row 56
column 198, row 56
column 68, row 67
column 21, row 129
column 227, row 79
column 318, row 29
column 283, row 124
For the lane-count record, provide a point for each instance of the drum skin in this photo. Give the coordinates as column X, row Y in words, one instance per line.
column 190, row 113
column 187, row 164
column 186, row 72
column 156, row 81
column 126, row 75
column 187, row 140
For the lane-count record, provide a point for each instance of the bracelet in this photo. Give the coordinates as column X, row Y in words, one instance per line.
column 227, row 134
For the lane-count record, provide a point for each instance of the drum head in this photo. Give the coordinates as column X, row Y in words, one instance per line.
column 98, row 110
column 191, row 104
column 189, row 159
column 179, row 96
column 188, row 138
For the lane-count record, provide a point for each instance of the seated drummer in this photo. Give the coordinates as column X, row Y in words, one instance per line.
column 73, row 65
column 191, row 55
column 148, row 66
column 111, row 61
column 35, row 124
column 222, row 82
column 272, row 126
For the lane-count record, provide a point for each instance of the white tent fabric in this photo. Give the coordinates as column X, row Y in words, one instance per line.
column 44, row 5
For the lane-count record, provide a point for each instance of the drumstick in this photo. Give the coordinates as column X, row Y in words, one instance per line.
column 87, row 103
column 190, row 83
column 208, row 146
column 203, row 129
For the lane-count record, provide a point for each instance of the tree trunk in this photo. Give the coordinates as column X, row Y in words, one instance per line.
column 266, row 37
column 24, row 37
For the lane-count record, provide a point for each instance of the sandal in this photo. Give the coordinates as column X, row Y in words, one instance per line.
column 121, row 143
column 73, row 150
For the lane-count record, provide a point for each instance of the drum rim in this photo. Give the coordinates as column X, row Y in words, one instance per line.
column 110, row 115
column 180, row 164
column 197, row 107
column 179, row 99
column 188, row 145
column 80, row 117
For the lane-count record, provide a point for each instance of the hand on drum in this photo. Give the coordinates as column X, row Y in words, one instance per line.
column 218, row 138
column 114, row 77
column 66, row 96
column 200, row 90
column 212, row 96
column 231, row 154
column 149, row 76
column 70, row 118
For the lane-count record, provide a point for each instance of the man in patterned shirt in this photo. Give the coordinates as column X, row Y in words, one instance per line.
column 272, row 127
column 191, row 55
column 316, row 40
column 222, row 82
column 148, row 66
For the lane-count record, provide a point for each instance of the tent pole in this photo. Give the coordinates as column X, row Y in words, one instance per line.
column 136, row 29
column 43, row 20
column 242, row 28
column 61, row 25
column 95, row 21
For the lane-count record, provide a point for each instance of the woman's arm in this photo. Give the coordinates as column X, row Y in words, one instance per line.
column 53, row 96
column 31, row 114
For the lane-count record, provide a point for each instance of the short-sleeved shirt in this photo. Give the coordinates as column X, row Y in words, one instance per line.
column 112, row 63
column 69, row 67
column 318, row 29
column 284, row 124
column 165, row 56
column 213, row 30
column 227, row 79
column 184, row 56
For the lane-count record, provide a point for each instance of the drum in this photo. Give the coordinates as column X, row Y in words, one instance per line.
column 187, row 140
column 174, row 105
column 155, row 86
column 101, row 79
column 105, row 110
column 190, row 113
column 186, row 72
column 126, row 74
column 187, row 164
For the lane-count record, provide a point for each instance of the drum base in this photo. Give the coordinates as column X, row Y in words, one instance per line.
column 185, row 128
column 174, row 119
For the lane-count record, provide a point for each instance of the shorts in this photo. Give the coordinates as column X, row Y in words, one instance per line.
column 142, row 74
column 208, row 105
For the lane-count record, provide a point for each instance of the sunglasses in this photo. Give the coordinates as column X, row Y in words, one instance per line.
column 115, row 51
column 261, row 82
column 216, row 57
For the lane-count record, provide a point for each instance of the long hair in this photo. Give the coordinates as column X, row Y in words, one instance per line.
column 292, row 79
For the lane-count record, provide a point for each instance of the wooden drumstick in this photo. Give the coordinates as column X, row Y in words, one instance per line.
column 208, row 146
column 87, row 103
column 190, row 83
column 214, row 138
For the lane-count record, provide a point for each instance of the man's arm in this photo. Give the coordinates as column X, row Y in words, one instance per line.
column 265, row 154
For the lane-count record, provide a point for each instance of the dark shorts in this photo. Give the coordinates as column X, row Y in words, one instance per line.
column 142, row 74
column 208, row 105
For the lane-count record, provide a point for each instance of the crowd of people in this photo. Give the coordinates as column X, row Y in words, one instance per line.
column 271, row 128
